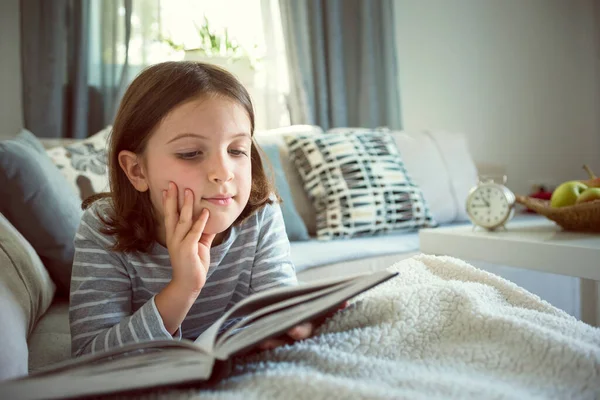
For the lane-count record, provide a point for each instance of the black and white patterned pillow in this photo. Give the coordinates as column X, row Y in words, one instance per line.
column 357, row 183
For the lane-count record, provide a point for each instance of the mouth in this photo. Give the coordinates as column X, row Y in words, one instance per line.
column 221, row 200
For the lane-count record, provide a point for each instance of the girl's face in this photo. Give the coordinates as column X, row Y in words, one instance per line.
column 203, row 145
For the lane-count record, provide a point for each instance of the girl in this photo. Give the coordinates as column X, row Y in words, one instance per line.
column 189, row 227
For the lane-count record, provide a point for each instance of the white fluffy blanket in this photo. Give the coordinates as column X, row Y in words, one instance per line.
column 441, row 329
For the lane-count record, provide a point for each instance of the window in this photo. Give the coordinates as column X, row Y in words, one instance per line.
column 164, row 30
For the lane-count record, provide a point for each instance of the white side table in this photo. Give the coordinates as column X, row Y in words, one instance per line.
column 536, row 244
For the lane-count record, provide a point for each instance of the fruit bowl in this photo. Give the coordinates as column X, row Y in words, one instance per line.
column 583, row 217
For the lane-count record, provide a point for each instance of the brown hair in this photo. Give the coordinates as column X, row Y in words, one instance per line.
column 151, row 96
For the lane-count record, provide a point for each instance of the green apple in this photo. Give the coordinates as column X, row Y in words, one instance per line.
column 589, row 194
column 566, row 193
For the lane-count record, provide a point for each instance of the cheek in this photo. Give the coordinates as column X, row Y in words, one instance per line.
column 166, row 170
column 245, row 180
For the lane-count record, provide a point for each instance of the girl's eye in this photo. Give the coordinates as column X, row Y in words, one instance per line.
column 238, row 152
column 190, row 155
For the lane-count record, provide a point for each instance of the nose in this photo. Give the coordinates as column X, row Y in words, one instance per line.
column 220, row 169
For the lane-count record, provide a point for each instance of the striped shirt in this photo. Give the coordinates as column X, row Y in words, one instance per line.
column 112, row 293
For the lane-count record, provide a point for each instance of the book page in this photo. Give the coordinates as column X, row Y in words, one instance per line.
column 207, row 339
column 243, row 323
column 143, row 370
column 118, row 355
column 277, row 323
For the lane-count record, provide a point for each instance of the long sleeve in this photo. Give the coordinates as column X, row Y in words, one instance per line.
column 100, row 311
column 272, row 262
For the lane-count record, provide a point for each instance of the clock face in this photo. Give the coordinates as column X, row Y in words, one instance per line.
column 488, row 206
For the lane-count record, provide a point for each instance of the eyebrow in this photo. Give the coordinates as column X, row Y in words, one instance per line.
column 195, row 135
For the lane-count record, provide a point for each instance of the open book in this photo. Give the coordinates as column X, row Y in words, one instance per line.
column 159, row 363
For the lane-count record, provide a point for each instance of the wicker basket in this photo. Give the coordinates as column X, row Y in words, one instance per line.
column 584, row 217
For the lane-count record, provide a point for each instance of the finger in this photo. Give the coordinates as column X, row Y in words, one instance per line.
column 319, row 321
column 271, row 344
column 195, row 233
column 340, row 307
column 204, row 249
column 207, row 238
column 301, row 331
column 170, row 210
column 332, row 312
column 184, row 222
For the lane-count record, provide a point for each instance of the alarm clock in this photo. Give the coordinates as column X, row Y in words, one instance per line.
column 490, row 205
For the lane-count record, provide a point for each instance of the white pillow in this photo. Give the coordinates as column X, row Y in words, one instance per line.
column 84, row 163
column 424, row 163
column 460, row 166
column 358, row 129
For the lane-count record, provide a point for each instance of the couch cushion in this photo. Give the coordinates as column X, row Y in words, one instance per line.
column 300, row 198
column 50, row 341
column 84, row 163
column 40, row 203
column 13, row 333
column 358, row 184
column 26, row 292
column 294, row 225
column 316, row 253
column 367, row 265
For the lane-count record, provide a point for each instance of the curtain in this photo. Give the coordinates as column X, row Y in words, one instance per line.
column 75, row 60
column 79, row 56
column 44, row 64
column 272, row 78
column 342, row 62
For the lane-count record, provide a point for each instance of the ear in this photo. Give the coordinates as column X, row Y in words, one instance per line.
column 131, row 164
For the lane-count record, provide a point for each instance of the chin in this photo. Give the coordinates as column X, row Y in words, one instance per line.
column 217, row 226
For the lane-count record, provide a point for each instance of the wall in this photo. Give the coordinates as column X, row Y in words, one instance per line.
column 11, row 112
column 519, row 78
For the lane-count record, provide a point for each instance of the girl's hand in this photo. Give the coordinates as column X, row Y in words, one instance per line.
column 188, row 245
column 299, row 332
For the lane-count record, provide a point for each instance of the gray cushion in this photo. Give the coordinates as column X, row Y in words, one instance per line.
column 26, row 292
column 294, row 225
column 39, row 202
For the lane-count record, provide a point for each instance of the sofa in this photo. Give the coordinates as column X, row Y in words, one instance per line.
column 42, row 183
